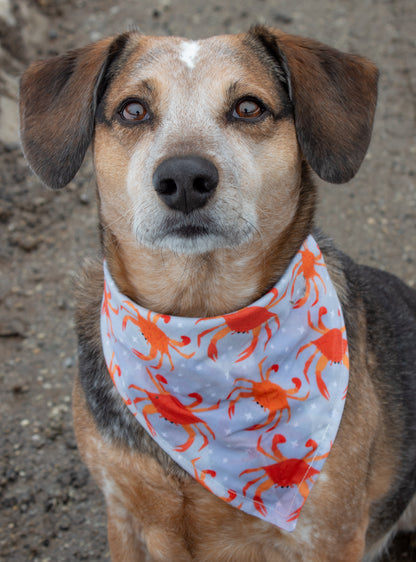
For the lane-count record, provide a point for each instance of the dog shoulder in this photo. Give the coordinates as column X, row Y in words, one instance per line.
column 380, row 317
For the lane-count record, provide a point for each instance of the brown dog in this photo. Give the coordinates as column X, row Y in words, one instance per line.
column 202, row 154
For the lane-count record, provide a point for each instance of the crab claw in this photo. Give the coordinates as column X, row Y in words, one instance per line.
column 231, row 496
column 322, row 386
column 297, row 383
column 247, row 352
column 259, row 505
column 184, row 447
column 212, row 351
column 278, row 438
column 294, row 515
column 150, row 426
column 198, row 399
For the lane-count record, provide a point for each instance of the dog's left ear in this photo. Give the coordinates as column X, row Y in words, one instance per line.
column 58, row 98
column 334, row 96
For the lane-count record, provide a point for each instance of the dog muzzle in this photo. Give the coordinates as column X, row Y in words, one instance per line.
column 248, row 403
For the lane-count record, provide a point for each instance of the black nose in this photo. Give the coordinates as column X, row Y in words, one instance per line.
column 185, row 183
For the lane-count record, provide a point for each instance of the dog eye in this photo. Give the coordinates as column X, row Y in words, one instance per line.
column 133, row 111
column 248, row 109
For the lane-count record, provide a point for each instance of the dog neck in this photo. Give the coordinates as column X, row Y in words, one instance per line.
column 185, row 285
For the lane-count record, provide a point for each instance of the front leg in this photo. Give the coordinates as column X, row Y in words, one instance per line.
column 145, row 506
column 124, row 535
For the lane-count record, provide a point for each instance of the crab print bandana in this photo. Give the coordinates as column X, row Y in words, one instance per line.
column 248, row 403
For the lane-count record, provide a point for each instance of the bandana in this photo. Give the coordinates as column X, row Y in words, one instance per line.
column 248, row 403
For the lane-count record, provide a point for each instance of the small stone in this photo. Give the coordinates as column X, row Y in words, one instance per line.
column 282, row 18
column 84, row 199
column 28, row 243
column 9, row 502
column 20, row 388
column 69, row 362
column 65, row 523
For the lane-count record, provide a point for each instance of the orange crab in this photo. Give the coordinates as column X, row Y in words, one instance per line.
column 270, row 396
column 306, row 267
column 157, row 339
column 250, row 319
column 284, row 473
column 331, row 346
column 172, row 410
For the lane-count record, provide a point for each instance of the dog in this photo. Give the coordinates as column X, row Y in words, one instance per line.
column 203, row 154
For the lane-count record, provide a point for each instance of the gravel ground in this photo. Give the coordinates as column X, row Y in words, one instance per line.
column 49, row 507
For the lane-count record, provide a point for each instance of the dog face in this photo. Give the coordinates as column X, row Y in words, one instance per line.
column 195, row 142
column 198, row 145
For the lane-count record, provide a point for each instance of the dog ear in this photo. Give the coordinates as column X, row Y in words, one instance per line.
column 58, row 99
column 334, row 97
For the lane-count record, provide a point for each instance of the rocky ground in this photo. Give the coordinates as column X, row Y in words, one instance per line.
column 49, row 507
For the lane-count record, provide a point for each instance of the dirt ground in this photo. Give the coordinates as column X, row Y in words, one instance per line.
column 50, row 510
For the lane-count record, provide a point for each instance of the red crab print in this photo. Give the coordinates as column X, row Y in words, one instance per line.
column 269, row 395
column 157, row 339
column 284, row 473
column 306, row 267
column 172, row 410
column 331, row 347
column 250, row 319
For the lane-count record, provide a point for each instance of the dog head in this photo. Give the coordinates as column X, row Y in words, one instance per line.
column 200, row 145
column 190, row 136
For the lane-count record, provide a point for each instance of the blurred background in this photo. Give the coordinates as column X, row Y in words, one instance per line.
column 49, row 507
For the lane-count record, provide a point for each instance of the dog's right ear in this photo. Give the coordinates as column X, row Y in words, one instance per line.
column 58, row 100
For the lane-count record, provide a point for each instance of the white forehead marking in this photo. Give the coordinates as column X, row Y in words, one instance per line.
column 189, row 52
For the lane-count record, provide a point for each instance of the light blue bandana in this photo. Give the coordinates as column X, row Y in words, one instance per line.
column 248, row 403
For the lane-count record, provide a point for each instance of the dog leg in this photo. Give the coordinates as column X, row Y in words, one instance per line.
column 144, row 506
column 124, row 538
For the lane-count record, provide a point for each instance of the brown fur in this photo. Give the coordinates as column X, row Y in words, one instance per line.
column 321, row 106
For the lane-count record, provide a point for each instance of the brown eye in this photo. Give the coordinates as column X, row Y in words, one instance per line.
column 134, row 111
column 248, row 109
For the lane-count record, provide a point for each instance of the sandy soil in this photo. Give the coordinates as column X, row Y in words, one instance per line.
column 49, row 507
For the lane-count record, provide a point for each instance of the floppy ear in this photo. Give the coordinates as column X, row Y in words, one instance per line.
column 58, row 99
column 334, row 96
